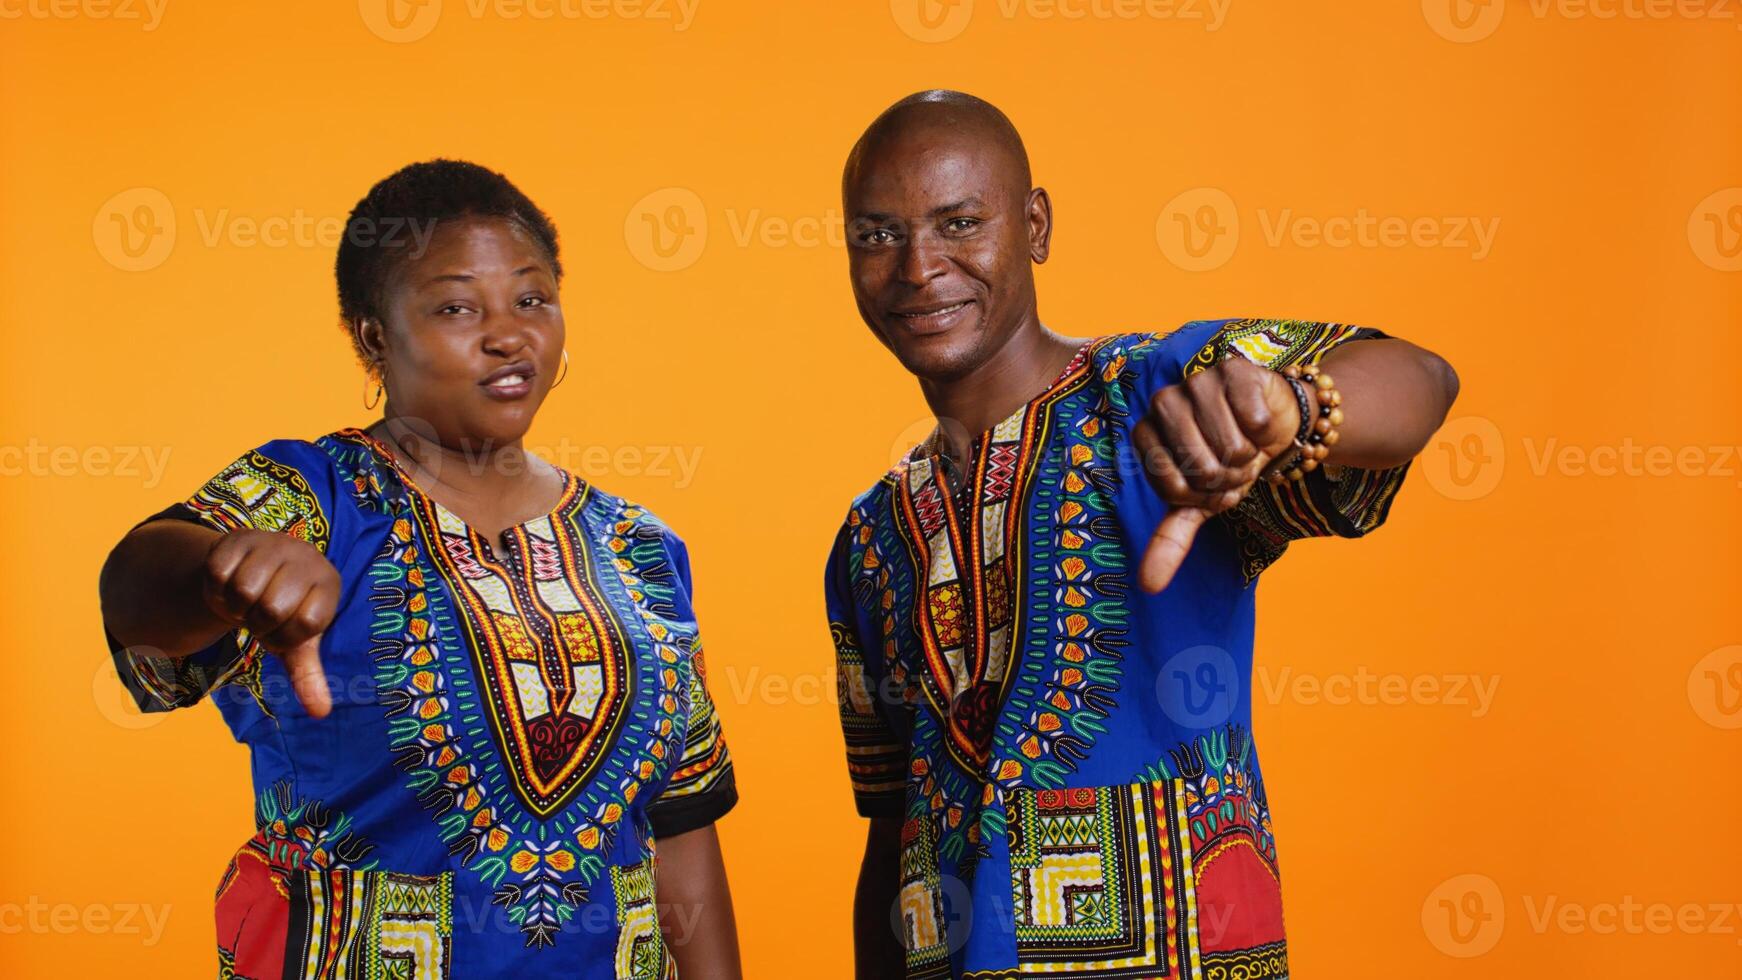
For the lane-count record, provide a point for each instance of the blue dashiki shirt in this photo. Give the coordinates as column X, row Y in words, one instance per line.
column 512, row 729
column 1072, row 758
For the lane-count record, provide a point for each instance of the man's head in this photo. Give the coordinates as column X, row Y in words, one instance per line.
column 943, row 227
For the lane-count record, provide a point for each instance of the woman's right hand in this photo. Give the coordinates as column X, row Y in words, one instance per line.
column 286, row 593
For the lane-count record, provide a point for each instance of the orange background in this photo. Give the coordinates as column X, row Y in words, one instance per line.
column 1603, row 314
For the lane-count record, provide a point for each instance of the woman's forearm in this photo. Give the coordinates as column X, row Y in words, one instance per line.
column 151, row 590
column 695, row 907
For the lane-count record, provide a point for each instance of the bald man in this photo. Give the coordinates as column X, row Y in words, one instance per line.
column 1043, row 615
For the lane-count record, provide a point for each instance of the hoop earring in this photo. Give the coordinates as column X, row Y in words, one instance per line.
column 560, row 377
column 379, row 389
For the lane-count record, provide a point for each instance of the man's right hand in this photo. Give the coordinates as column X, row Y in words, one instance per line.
column 286, row 593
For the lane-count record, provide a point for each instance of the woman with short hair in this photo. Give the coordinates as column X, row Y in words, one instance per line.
column 471, row 682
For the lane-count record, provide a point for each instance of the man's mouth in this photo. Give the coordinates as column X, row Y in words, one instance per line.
column 934, row 317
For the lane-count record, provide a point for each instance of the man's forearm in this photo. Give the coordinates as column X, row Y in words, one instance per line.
column 877, row 949
column 1395, row 396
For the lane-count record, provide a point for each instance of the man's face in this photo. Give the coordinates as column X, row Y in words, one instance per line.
column 940, row 242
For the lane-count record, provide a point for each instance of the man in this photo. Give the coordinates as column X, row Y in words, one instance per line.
column 1038, row 623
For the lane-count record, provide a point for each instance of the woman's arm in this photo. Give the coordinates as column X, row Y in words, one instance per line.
column 877, row 950
column 152, row 589
column 695, row 906
column 171, row 588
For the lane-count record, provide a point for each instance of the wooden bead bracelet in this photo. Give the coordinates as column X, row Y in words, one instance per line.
column 1313, row 442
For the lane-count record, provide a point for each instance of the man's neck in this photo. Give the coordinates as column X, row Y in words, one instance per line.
column 1021, row 369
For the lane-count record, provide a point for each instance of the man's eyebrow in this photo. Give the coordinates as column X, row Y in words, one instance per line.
column 966, row 204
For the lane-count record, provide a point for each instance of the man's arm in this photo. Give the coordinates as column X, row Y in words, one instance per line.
column 695, row 906
column 877, row 950
column 1205, row 441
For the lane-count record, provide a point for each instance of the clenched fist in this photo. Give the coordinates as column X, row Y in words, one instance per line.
column 286, row 593
column 1203, row 443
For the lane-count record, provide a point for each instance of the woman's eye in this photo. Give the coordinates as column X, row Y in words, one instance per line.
column 452, row 309
column 532, row 302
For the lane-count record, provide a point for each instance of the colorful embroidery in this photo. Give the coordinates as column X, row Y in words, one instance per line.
column 641, row 953
column 253, row 895
column 1099, row 883
column 371, row 925
column 925, row 911
column 539, row 861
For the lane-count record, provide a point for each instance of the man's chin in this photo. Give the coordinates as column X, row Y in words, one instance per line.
column 938, row 358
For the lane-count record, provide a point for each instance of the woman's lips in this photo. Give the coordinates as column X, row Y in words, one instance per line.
column 509, row 386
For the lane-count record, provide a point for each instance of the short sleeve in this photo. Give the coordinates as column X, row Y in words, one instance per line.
column 876, row 754
column 1341, row 501
column 702, row 787
column 285, row 487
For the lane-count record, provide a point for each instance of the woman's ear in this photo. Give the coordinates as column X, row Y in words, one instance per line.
column 370, row 338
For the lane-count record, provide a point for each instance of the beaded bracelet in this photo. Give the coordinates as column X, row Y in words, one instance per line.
column 1313, row 442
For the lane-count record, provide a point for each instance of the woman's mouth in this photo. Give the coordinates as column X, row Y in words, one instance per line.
column 514, row 381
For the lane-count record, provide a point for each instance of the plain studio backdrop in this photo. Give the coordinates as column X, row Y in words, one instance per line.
column 1501, row 736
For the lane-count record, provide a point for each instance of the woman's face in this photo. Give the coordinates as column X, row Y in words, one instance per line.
column 473, row 336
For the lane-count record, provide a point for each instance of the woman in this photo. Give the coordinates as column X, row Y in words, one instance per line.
column 499, row 703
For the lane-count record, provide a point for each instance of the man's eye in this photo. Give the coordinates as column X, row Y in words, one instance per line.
column 961, row 224
column 880, row 236
column 452, row 309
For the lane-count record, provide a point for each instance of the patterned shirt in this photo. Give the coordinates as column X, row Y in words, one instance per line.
column 513, row 726
column 1072, row 758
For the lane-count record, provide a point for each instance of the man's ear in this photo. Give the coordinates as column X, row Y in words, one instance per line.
column 370, row 338
column 1039, row 225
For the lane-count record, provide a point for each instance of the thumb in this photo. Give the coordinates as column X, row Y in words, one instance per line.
column 1168, row 547
column 307, row 679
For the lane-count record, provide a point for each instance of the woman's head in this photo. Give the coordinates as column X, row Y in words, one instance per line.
column 448, row 281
